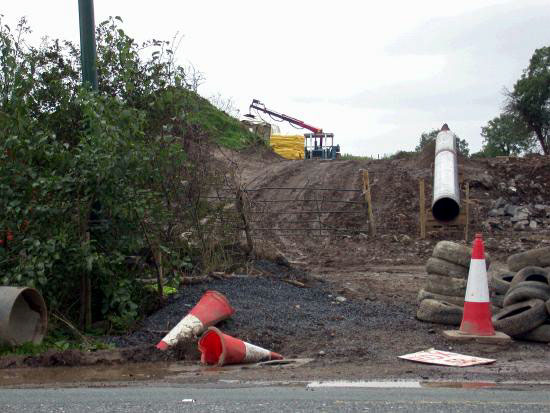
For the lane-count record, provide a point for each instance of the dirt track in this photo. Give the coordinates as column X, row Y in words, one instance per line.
column 394, row 187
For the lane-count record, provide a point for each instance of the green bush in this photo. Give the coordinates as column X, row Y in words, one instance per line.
column 88, row 179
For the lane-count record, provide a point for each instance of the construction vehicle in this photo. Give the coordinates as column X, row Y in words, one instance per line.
column 316, row 143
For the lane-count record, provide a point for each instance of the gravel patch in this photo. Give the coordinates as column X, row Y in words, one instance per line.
column 282, row 317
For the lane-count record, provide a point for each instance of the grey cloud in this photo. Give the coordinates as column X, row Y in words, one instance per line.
column 463, row 102
column 505, row 30
column 484, row 51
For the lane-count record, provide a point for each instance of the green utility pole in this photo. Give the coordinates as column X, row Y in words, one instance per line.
column 89, row 79
column 87, row 42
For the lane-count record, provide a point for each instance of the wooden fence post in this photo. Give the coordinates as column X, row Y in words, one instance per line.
column 422, row 207
column 368, row 200
column 239, row 203
column 86, row 295
column 160, row 275
column 467, row 223
column 318, row 214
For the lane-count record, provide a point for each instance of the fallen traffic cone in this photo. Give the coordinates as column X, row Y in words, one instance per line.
column 221, row 349
column 212, row 308
column 476, row 320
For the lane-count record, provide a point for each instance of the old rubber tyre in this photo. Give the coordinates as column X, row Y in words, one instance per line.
column 500, row 282
column 427, row 295
column 548, row 307
column 441, row 267
column 497, row 300
column 520, row 318
column 453, row 252
column 540, row 334
column 440, row 312
column 527, row 290
column 456, row 253
column 531, row 273
column 438, row 284
column 539, row 257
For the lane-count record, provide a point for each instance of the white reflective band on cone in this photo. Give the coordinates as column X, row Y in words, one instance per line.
column 477, row 290
column 255, row 353
column 189, row 326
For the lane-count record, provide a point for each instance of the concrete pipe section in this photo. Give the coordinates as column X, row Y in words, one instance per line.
column 23, row 316
column 446, row 193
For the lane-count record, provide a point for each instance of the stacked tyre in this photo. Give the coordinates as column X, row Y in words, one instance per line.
column 442, row 298
column 525, row 296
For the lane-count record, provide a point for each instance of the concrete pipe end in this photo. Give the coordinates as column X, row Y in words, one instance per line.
column 23, row 316
column 445, row 209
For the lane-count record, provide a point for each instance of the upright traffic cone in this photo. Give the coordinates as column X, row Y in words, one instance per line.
column 477, row 306
column 212, row 308
column 221, row 349
column 476, row 319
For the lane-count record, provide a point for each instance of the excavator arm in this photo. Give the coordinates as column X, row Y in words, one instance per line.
column 257, row 105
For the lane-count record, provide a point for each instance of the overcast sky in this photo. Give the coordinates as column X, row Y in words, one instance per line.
column 376, row 74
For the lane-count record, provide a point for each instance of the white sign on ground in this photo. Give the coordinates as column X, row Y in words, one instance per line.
column 445, row 358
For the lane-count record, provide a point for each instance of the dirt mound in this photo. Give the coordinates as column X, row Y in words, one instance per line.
column 395, row 197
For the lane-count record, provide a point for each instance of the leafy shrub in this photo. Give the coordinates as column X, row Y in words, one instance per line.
column 89, row 179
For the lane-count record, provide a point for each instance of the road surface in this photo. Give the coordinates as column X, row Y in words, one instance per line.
column 219, row 398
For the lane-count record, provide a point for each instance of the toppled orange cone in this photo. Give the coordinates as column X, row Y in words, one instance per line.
column 221, row 349
column 212, row 308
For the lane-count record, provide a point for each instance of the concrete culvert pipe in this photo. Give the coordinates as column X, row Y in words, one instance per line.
column 446, row 194
column 23, row 316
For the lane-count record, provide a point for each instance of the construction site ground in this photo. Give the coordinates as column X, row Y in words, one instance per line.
column 347, row 301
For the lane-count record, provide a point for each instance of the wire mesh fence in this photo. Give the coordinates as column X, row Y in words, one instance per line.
column 267, row 212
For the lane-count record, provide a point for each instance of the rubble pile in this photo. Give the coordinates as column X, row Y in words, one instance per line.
column 523, row 296
column 505, row 215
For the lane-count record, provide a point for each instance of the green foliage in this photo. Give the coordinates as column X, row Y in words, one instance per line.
column 401, row 155
column 90, row 179
column 506, row 135
column 228, row 130
column 56, row 340
column 349, row 157
column 428, row 137
column 166, row 289
column 530, row 97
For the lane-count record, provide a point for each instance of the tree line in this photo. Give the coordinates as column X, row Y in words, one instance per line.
column 524, row 124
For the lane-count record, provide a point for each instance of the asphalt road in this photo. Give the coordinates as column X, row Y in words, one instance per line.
column 271, row 399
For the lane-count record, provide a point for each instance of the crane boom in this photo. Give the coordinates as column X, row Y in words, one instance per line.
column 312, row 149
column 256, row 104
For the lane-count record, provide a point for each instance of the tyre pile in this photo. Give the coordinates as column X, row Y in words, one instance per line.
column 442, row 298
column 523, row 294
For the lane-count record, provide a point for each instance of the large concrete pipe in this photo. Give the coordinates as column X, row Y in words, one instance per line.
column 446, row 193
column 23, row 316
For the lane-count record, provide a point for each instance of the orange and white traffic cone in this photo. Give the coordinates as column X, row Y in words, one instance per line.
column 476, row 320
column 221, row 349
column 212, row 308
column 477, row 305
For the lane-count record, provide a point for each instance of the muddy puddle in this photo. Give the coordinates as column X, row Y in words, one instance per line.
column 126, row 373
column 414, row 384
column 38, row 376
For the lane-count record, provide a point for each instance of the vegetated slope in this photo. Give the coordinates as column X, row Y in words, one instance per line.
column 224, row 129
column 395, row 197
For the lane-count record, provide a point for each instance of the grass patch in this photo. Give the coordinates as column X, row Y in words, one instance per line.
column 224, row 129
column 54, row 341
